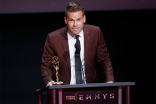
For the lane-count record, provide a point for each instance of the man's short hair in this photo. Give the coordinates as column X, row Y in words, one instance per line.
column 74, row 7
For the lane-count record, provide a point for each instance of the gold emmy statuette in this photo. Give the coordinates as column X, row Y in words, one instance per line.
column 55, row 63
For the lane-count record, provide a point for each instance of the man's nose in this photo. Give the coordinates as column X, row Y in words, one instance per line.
column 75, row 23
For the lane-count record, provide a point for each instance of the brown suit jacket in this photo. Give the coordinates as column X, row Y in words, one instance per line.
column 94, row 47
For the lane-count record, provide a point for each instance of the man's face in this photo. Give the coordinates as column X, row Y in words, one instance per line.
column 75, row 22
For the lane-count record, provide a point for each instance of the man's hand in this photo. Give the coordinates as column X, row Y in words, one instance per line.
column 109, row 82
column 50, row 83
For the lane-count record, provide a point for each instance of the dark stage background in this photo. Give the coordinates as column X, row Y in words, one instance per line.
column 128, row 35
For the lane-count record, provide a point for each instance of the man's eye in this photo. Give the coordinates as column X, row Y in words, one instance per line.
column 71, row 20
column 79, row 19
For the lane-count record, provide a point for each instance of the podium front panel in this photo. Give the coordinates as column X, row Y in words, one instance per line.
column 90, row 95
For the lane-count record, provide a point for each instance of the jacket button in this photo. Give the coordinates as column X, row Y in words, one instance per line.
column 68, row 80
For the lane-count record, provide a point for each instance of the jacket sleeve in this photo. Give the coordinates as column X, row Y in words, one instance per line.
column 46, row 64
column 102, row 57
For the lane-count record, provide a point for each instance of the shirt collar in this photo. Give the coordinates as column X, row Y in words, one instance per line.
column 81, row 33
column 73, row 37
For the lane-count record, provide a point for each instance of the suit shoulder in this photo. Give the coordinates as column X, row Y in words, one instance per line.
column 57, row 32
column 91, row 27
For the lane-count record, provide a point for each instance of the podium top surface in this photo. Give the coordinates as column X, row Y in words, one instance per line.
column 90, row 85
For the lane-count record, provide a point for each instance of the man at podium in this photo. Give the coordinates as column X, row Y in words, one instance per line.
column 77, row 46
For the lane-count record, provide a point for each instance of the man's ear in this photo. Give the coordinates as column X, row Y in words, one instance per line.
column 84, row 19
column 65, row 20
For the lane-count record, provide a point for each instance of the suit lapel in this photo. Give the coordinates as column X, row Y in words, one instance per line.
column 65, row 46
column 86, row 44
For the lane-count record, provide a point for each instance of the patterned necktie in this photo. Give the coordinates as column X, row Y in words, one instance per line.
column 78, row 64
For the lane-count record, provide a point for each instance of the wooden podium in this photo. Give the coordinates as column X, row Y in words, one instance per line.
column 95, row 93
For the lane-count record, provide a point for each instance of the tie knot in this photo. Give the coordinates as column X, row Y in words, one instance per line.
column 77, row 36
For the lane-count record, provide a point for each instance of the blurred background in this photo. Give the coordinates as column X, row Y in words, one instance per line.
column 128, row 27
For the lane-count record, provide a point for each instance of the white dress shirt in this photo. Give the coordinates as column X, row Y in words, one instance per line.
column 72, row 49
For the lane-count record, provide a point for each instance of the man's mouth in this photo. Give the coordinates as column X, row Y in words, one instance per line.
column 75, row 28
